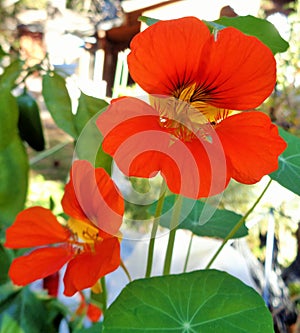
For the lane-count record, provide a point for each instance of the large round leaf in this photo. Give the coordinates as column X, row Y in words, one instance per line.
column 206, row 301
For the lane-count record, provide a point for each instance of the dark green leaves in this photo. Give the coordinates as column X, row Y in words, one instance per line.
column 288, row 172
column 13, row 181
column 24, row 311
column 202, row 219
column 207, row 301
column 262, row 29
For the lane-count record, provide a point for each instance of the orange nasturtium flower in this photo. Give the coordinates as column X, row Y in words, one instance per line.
column 193, row 132
column 88, row 243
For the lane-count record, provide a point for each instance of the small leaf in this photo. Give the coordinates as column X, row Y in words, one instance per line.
column 10, row 74
column 207, row 301
column 201, row 218
column 148, row 20
column 264, row 30
column 88, row 107
column 288, row 172
column 88, row 146
column 58, row 102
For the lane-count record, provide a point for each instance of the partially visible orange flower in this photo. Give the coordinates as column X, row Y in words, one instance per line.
column 88, row 243
column 91, row 310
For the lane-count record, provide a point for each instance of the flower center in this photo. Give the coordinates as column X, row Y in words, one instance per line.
column 186, row 116
column 84, row 231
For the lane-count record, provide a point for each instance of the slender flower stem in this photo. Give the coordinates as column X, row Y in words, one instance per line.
column 104, row 294
column 188, row 253
column 238, row 225
column 155, row 225
column 48, row 152
column 123, row 266
column 172, row 234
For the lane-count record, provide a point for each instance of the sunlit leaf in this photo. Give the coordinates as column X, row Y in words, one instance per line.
column 264, row 30
column 207, row 301
column 201, row 218
column 288, row 172
column 88, row 107
column 58, row 102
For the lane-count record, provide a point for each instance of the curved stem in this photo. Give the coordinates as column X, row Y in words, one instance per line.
column 155, row 225
column 237, row 226
column 122, row 265
column 172, row 234
column 188, row 253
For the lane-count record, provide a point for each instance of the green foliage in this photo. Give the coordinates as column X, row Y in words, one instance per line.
column 96, row 328
column 30, row 124
column 13, row 181
column 262, row 29
column 201, row 218
column 58, row 102
column 288, row 172
column 249, row 25
column 201, row 301
column 24, row 310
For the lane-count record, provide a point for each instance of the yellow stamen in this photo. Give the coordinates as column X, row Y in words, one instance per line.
column 84, row 230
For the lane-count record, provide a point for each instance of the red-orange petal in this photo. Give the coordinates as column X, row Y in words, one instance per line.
column 89, row 266
column 35, row 226
column 167, row 54
column 92, row 195
column 231, row 70
column 39, row 264
column 252, row 145
column 238, row 71
column 141, row 147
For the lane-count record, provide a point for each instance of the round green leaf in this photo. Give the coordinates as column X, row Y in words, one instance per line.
column 206, row 301
column 288, row 172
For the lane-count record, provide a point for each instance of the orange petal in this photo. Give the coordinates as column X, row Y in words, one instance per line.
column 88, row 267
column 238, row 72
column 92, row 195
column 141, row 148
column 252, row 145
column 39, row 264
column 231, row 70
column 167, row 54
column 35, row 226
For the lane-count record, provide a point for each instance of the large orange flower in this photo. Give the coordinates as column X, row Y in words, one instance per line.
column 88, row 242
column 192, row 132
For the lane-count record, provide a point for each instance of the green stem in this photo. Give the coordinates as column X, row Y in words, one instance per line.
column 48, row 152
column 188, row 253
column 172, row 234
column 104, row 294
column 237, row 226
column 122, row 265
column 155, row 225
